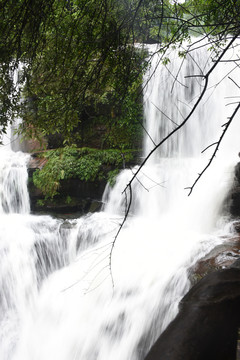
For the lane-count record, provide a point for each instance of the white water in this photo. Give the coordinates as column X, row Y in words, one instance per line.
column 57, row 298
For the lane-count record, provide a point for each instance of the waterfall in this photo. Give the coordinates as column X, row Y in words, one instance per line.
column 13, row 182
column 14, row 196
column 62, row 296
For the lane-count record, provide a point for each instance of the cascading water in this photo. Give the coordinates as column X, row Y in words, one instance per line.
column 13, row 180
column 59, row 298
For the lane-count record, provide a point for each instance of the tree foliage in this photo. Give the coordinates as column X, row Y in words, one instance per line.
column 72, row 54
column 82, row 54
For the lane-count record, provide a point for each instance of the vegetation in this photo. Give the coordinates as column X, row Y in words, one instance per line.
column 84, row 164
column 80, row 56
column 74, row 56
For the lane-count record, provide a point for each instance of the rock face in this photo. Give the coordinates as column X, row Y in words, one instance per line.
column 235, row 194
column 206, row 326
column 76, row 196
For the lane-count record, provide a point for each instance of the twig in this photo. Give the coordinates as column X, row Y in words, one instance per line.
column 140, row 182
column 234, row 82
column 208, row 147
column 120, row 228
column 190, row 188
column 164, row 115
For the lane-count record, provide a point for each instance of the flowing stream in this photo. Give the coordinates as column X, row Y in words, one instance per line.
column 62, row 297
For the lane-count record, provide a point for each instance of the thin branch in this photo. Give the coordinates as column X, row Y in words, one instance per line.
column 227, row 61
column 215, row 151
column 234, row 82
column 215, row 143
column 155, row 182
column 140, row 182
column 176, row 78
column 179, row 111
column 232, row 103
column 163, row 113
column 231, row 97
column 178, row 72
column 194, row 76
column 119, row 230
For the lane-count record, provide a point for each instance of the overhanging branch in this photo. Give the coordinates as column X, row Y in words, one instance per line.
column 190, row 188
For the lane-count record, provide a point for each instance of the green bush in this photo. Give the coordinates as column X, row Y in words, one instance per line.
column 85, row 164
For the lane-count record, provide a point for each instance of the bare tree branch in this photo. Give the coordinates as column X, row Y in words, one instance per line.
column 190, row 188
column 208, row 147
column 119, row 230
column 234, row 82
column 163, row 113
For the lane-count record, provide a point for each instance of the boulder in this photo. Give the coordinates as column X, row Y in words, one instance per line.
column 206, row 327
column 220, row 257
column 234, row 196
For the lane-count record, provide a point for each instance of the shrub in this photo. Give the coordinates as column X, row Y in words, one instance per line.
column 85, row 164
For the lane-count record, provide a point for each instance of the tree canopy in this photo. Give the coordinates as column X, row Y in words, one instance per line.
column 72, row 54
column 82, row 54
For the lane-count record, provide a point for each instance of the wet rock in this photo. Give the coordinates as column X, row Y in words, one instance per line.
column 220, row 257
column 59, row 207
column 76, row 196
column 36, row 163
column 236, row 225
column 234, row 195
column 206, row 326
column 235, row 205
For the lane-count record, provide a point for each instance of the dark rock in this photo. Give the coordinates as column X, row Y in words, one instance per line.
column 74, row 196
column 234, row 195
column 237, row 172
column 206, row 327
column 78, row 206
column 218, row 258
column 236, row 225
column 95, row 206
column 236, row 264
column 36, row 163
column 235, row 203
